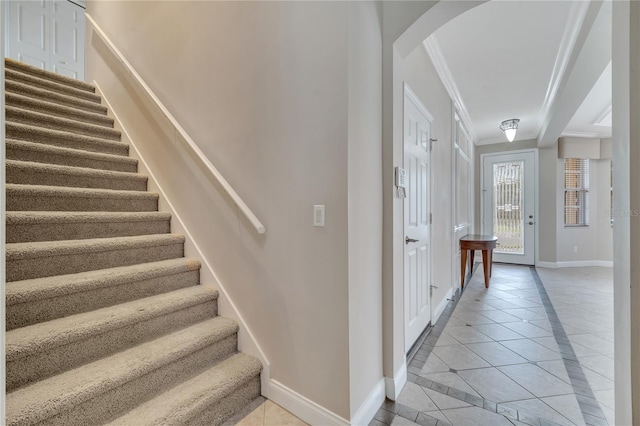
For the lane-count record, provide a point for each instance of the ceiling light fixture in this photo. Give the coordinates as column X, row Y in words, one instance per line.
column 509, row 128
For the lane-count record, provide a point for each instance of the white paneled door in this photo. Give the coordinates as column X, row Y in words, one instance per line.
column 508, row 205
column 47, row 34
column 417, row 218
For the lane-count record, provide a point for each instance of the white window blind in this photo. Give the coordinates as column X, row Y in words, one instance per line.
column 576, row 192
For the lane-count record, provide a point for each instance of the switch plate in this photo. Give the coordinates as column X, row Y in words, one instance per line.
column 318, row 215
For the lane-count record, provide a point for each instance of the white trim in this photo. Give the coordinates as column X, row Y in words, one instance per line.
column 303, row 407
column 442, row 306
column 576, row 264
column 171, row 119
column 246, row 340
column 418, row 103
column 575, row 20
column 370, row 406
column 602, row 116
column 580, row 134
column 458, row 228
column 432, row 47
column 393, row 385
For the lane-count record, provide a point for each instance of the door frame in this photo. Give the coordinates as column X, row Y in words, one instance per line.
column 536, row 193
column 408, row 93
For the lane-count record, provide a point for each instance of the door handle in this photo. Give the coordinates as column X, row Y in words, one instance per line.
column 408, row 240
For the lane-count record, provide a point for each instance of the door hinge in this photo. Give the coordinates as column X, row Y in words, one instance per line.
column 430, row 218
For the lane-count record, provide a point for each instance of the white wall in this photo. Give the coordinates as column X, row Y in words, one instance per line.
column 263, row 89
column 626, row 227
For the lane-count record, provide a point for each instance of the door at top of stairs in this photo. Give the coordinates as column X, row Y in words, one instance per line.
column 47, row 34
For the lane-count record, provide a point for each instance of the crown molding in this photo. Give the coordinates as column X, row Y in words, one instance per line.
column 602, row 116
column 580, row 135
column 577, row 14
column 432, row 47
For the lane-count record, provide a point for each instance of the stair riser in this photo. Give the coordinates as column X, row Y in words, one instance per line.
column 66, row 140
column 53, row 123
column 11, row 75
column 115, row 402
column 49, row 96
column 217, row 414
column 46, row 363
column 15, row 152
column 19, row 202
column 23, row 233
column 57, row 78
column 33, row 312
column 57, row 110
column 47, row 266
column 26, row 176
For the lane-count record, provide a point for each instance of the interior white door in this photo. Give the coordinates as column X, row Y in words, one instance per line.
column 417, row 218
column 48, row 34
column 508, row 204
column 27, row 32
column 67, row 39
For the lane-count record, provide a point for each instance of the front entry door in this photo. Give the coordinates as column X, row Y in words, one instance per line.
column 508, row 205
column 417, row 263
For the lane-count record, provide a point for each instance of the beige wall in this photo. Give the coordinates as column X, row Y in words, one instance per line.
column 365, row 201
column 263, row 90
column 593, row 242
column 423, row 79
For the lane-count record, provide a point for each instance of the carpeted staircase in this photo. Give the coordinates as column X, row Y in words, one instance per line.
column 106, row 320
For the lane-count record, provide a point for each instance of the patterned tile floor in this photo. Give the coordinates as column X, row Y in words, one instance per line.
column 536, row 348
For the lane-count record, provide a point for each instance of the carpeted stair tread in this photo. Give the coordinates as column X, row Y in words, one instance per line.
column 44, row 83
column 58, row 110
column 47, row 121
column 49, row 154
column 106, row 320
column 29, row 226
column 179, row 404
column 58, row 198
column 49, row 258
column 43, row 350
column 39, row 72
column 39, row 93
column 31, row 173
column 20, row 292
column 50, row 397
column 25, row 132
column 26, row 341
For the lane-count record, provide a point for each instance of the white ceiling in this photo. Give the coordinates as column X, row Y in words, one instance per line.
column 507, row 59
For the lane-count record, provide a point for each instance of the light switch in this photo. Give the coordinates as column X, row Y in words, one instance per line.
column 318, row 215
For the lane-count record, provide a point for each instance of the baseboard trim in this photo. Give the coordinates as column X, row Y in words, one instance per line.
column 441, row 306
column 393, row 385
column 301, row 406
column 370, row 406
column 576, row 264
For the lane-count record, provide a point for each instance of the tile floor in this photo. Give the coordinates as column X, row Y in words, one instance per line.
column 535, row 348
column 266, row 413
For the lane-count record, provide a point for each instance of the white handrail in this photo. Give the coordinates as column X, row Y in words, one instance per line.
column 223, row 182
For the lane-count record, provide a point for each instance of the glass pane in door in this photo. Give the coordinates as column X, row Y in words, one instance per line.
column 508, row 211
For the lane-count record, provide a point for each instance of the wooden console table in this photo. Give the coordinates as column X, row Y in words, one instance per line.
column 473, row 242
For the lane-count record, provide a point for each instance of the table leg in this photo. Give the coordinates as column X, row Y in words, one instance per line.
column 486, row 265
column 490, row 263
column 463, row 264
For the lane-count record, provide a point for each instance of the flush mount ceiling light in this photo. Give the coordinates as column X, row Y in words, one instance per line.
column 509, row 128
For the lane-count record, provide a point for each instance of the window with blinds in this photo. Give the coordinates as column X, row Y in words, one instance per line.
column 576, row 192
